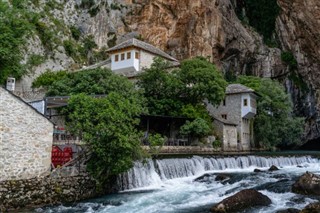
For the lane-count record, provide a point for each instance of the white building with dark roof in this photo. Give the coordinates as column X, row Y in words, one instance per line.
column 132, row 56
column 238, row 108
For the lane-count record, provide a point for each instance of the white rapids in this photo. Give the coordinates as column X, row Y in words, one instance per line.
column 169, row 186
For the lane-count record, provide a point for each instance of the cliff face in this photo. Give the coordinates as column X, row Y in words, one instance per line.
column 210, row 28
column 298, row 28
column 188, row 28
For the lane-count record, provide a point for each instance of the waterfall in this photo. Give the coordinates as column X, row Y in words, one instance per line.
column 156, row 171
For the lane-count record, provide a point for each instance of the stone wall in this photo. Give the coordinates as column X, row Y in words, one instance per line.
column 17, row 194
column 232, row 109
column 25, row 139
column 146, row 59
column 227, row 134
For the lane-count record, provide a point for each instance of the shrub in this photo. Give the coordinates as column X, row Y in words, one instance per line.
column 75, row 32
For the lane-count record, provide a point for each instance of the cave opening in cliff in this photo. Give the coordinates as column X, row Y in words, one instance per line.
column 312, row 145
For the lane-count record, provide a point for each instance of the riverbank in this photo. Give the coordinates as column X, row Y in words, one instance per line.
column 17, row 194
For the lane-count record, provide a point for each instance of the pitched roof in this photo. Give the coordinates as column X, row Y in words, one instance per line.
column 238, row 88
column 142, row 45
column 26, row 103
column 224, row 121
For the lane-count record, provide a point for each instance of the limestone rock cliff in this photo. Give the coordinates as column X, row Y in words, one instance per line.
column 188, row 28
column 298, row 28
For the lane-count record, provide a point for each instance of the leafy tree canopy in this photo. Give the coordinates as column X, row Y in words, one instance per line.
column 108, row 126
column 47, row 78
column 181, row 92
column 14, row 28
column 275, row 124
column 201, row 80
column 169, row 92
column 90, row 82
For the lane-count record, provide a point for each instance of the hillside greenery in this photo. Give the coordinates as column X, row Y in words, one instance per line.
column 24, row 22
column 275, row 124
column 15, row 26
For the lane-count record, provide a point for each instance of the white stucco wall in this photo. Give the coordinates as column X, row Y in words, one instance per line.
column 131, row 63
column 247, row 111
column 25, row 139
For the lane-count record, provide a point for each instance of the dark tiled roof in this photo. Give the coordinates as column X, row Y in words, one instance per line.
column 142, row 45
column 224, row 121
column 238, row 88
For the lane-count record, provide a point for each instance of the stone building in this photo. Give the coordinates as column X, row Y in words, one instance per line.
column 238, row 108
column 132, row 56
column 25, row 139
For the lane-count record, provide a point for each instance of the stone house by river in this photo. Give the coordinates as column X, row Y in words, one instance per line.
column 25, row 139
column 234, row 118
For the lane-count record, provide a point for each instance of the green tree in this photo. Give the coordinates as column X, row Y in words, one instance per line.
column 275, row 124
column 182, row 92
column 47, row 78
column 14, row 28
column 201, row 80
column 168, row 92
column 196, row 129
column 108, row 126
column 92, row 82
column 161, row 89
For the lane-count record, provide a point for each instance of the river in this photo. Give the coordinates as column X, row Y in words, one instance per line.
column 168, row 186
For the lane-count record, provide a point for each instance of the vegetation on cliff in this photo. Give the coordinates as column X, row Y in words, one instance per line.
column 275, row 123
column 14, row 27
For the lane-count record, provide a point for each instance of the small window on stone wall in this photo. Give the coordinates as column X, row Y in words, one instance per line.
column 245, row 102
column 224, row 116
column 122, row 56
column 137, row 55
column 224, row 102
column 128, row 55
column 116, row 58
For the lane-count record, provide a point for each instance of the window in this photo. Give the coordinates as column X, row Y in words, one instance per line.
column 224, row 116
column 245, row 102
column 122, row 56
column 128, row 55
column 137, row 55
column 116, row 58
column 224, row 102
